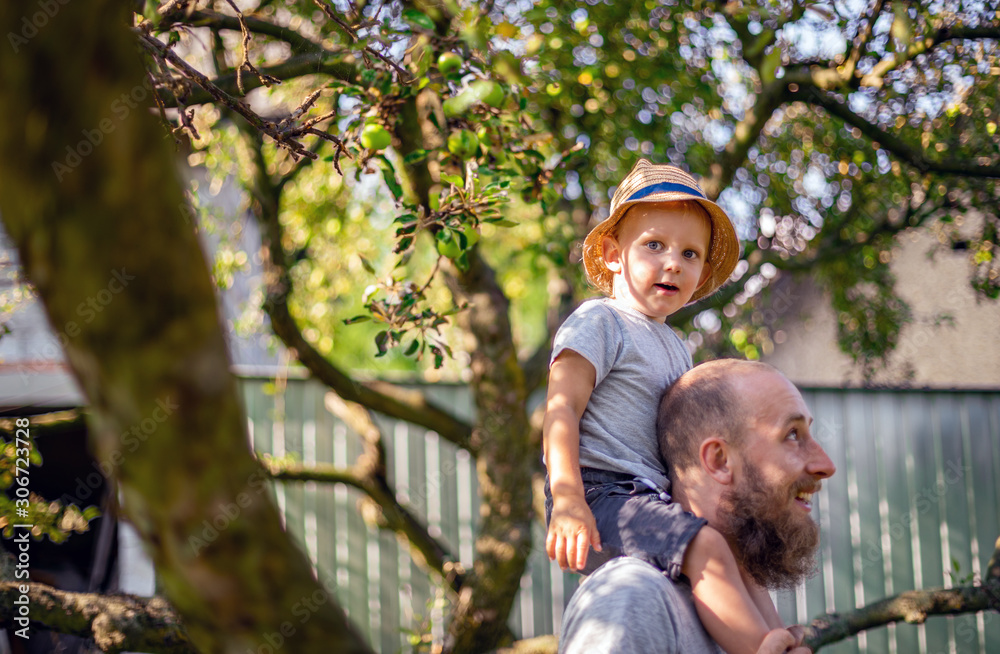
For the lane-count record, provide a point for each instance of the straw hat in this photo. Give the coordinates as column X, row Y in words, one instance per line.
column 649, row 182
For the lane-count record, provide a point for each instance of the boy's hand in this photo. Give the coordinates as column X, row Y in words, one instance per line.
column 798, row 633
column 782, row 641
column 572, row 530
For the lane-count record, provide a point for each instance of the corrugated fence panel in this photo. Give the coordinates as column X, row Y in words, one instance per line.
column 913, row 505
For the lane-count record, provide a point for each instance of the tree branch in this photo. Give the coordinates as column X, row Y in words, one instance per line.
column 912, row 606
column 401, row 74
column 895, row 144
column 116, row 623
column 831, row 77
column 46, row 424
column 156, row 354
column 389, row 399
column 392, row 514
column 864, row 35
column 745, row 136
column 216, row 20
column 922, row 46
column 336, row 65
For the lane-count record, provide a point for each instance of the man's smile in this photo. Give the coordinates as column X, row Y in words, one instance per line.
column 804, row 494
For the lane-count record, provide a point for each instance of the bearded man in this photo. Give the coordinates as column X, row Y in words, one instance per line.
column 740, row 454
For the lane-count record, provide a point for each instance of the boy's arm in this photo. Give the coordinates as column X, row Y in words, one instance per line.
column 762, row 599
column 572, row 529
column 725, row 606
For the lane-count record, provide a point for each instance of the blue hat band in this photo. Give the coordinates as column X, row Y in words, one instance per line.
column 664, row 187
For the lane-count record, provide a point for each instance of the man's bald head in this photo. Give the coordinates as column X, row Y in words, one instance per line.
column 705, row 401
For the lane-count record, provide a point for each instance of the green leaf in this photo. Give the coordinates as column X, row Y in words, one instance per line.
column 356, row 319
column 415, row 156
column 452, row 179
column 418, row 19
column 389, row 175
column 381, row 339
column 367, row 265
column 412, row 347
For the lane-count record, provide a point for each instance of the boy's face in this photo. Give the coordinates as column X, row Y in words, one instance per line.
column 659, row 258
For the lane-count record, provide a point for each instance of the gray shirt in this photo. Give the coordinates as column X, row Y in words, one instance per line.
column 635, row 358
column 629, row 607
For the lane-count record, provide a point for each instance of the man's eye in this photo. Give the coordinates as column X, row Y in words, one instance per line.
column 793, row 435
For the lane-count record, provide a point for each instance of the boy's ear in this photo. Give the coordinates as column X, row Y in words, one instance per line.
column 611, row 254
column 706, row 274
column 714, row 457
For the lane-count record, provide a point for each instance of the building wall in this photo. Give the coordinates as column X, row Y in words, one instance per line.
column 953, row 341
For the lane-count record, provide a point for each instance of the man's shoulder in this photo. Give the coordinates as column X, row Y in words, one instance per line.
column 629, row 606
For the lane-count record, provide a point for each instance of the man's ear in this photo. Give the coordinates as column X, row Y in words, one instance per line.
column 706, row 274
column 612, row 254
column 714, row 457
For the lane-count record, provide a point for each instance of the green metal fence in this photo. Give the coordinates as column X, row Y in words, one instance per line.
column 913, row 505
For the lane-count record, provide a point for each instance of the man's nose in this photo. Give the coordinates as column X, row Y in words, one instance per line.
column 820, row 464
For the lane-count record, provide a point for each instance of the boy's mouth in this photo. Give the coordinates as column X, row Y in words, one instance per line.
column 670, row 288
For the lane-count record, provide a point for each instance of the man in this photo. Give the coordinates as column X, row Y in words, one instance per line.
column 740, row 454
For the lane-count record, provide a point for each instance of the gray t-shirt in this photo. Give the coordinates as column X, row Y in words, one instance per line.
column 629, row 607
column 636, row 358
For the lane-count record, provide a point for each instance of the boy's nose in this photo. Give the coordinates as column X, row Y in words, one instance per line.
column 671, row 262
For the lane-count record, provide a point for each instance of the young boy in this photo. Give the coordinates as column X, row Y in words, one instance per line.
column 663, row 246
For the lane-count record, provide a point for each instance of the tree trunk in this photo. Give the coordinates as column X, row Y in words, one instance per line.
column 90, row 195
column 504, row 466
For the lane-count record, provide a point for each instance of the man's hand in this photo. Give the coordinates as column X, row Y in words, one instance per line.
column 782, row 641
column 572, row 531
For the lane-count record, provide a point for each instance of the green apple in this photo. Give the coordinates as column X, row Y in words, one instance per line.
column 449, row 63
column 375, row 137
column 488, row 92
column 471, row 235
column 483, row 90
column 447, row 244
column 463, row 143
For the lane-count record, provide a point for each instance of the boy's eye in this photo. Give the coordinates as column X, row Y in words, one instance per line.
column 654, row 245
column 690, row 254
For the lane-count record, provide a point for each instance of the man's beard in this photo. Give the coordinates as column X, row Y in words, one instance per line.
column 772, row 544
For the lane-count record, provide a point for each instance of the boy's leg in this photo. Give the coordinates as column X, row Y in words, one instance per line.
column 634, row 521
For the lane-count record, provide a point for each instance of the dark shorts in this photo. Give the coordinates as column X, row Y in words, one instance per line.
column 634, row 520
